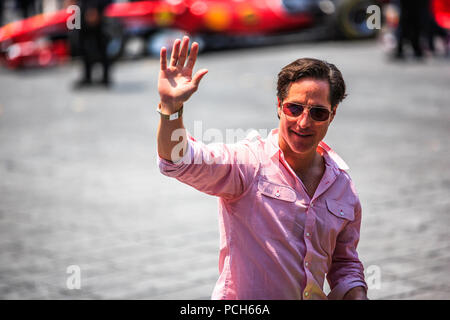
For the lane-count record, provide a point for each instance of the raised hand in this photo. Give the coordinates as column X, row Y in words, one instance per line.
column 176, row 83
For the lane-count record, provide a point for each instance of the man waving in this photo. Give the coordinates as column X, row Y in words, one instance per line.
column 289, row 213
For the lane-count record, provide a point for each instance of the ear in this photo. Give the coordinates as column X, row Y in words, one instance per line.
column 278, row 107
column 333, row 113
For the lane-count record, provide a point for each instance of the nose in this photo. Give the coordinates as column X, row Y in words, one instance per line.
column 304, row 120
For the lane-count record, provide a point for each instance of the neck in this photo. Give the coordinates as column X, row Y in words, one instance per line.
column 301, row 163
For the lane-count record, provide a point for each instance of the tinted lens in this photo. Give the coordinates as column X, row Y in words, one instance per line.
column 319, row 114
column 316, row 113
column 293, row 110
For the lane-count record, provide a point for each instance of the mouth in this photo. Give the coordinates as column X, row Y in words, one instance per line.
column 302, row 135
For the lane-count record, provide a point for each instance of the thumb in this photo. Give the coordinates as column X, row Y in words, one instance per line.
column 198, row 77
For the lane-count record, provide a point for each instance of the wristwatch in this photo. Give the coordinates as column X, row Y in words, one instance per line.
column 172, row 116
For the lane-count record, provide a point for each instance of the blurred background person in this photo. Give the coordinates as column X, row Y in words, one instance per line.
column 410, row 26
column 27, row 8
column 93, row 40
column 1, row 12
column 418, row 27
column 433, row 30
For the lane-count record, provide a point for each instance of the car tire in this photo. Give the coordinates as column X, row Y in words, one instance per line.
column 116, row 39
column 351, row 19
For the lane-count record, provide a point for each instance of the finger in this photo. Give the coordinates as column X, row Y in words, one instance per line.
column 175, row 53
column 199, row 76
column 163, row 58
column 183, row 51
column 192, row 56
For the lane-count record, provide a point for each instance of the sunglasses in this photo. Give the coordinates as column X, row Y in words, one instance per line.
column 316, row 113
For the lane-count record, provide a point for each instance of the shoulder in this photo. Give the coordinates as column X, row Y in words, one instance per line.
column 347, row 182
column 253, row 143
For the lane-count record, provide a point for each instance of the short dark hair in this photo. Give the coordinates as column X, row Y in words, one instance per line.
column 316, row 69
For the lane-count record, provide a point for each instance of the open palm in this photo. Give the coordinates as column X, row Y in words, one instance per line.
column 176, row 83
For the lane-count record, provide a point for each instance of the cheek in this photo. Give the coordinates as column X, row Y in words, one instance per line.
column 322, row 131
column 284, row 128
column 285, row 125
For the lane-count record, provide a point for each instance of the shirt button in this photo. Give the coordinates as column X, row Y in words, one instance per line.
column 306, row 294
column 308, row 234
column 306, row 264
column 277, row 194
column 342, row 213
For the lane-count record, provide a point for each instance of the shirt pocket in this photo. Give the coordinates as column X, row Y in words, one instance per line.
column 273, row 214
column 276, row 191
column 331, row 221
column 341, row 210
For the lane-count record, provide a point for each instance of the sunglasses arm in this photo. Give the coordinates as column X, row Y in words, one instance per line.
column 278, row 107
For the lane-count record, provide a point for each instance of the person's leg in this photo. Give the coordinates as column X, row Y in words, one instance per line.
column 415, row 39
column 400, row 36
column 106, row 77
column 430, row 41
column 87, row 75
column 22, row 6
column 1, row 13
column 417, row 26
column 86, row 60
column 443, row 35
column 28, row 8
column 106, row 63
column 427, row 22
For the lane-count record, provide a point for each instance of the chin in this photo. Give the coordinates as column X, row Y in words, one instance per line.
column 299, row 145
column 302, row 149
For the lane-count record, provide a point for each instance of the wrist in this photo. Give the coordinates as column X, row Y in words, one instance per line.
column 169, row 107
column 170, row 116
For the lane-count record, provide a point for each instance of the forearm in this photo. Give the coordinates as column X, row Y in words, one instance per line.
column 171, row 134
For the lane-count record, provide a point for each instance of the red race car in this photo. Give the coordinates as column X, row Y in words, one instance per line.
column 46, row 39
column 441, row 11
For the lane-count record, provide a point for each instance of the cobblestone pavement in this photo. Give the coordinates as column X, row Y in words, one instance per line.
column 79, row 183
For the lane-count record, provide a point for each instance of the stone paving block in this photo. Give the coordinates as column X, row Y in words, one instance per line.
column 79, row 183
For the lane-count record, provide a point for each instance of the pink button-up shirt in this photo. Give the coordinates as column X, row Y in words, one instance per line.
column 275, row 241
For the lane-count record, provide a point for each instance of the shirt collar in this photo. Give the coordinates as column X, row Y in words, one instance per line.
column 330, row 156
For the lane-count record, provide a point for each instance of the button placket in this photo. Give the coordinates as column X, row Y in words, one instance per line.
column 309, row 228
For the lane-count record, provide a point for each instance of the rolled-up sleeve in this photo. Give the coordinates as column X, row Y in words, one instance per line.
column 224, row 170
column 346, row 270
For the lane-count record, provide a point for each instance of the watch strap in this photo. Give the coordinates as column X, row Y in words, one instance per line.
column 172, row 116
